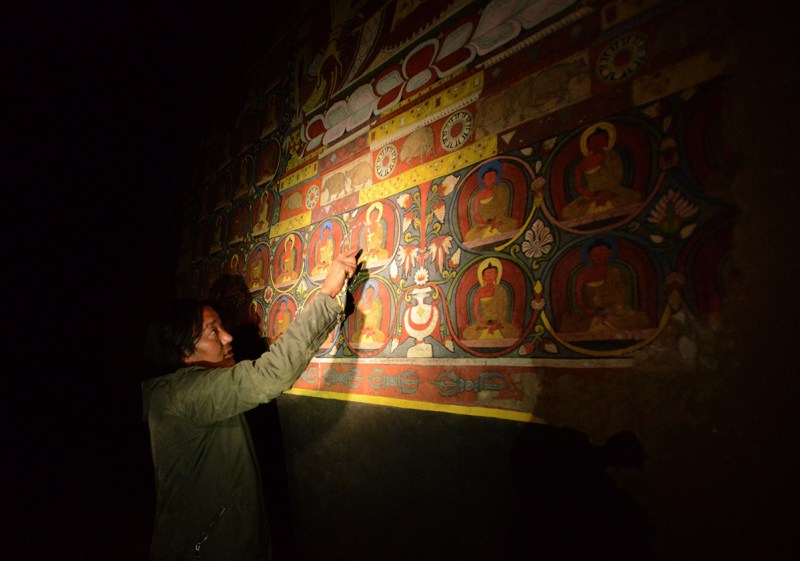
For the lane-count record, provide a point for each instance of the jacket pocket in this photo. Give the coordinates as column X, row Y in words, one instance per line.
column 207, row 531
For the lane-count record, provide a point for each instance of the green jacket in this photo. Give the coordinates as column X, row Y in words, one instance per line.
column 208, row 493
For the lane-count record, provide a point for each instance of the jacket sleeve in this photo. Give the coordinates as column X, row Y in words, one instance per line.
column 210, row 395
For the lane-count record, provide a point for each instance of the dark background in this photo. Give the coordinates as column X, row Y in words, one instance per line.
column 106, row 101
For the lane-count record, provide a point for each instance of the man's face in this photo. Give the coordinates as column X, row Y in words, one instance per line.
column 214, row 346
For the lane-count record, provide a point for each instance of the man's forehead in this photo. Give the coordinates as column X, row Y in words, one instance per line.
column 209, row 316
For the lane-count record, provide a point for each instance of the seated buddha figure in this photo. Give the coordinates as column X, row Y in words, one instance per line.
column 323, row 253
column 490, row 205
column 257, row 271
column 287, row 271
column 598, row 176
column 602, row 294
column 283, row 317
column 491, row 308
column 262, row 221
column 368, row 316
column 373, row 236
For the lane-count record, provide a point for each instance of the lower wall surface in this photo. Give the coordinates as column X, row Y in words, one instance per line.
column 373, row 482
column 641, row 465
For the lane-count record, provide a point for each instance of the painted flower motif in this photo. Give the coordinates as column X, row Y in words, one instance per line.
column 448, row 185
column 549, row 346
column 526, row 349
column 439, row 249
column 350, row 216
column 455, row 259
column 537, row 240
column 421, row 276
column 404, row 201
column 268, row 293
column 538, row 184
column 406, row 256
column 393, row 271
column 438, row 211
column 537, row 304
column 408, row 218
column 672, row 212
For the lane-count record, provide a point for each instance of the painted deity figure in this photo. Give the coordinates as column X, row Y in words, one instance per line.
column 261, row 223
column 282, row 320
column 257, row 271
column 598, row 176
column 374, row 236
column 243, row 184
column 491, row 307
column 288, row 261
column 602, row 295
column 238, row 228
column 490, row 206
column 369, row 314
column 254, row 315
column 217, row 241
column 233, row 266
column 323, row 254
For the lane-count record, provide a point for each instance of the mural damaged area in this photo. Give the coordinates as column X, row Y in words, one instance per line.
column 532, row 187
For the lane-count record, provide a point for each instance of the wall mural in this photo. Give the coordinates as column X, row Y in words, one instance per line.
column 530, row 182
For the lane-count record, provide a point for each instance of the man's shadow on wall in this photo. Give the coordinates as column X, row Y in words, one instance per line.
column 231, row 298
column 568, row 507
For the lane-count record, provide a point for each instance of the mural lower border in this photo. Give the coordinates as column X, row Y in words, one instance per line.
column 500, row 388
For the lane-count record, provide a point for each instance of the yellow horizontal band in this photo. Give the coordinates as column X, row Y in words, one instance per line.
column 421, row 405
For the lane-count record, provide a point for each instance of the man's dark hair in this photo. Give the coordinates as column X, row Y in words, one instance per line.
column 174, row 334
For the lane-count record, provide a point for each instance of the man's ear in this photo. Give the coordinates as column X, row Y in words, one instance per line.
column 186, row 358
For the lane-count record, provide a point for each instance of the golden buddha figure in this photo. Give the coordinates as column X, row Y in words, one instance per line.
column 374, row 236
column 598, row 176
column 490, row 206
column 261, row 223
column 323, row 254
column 257, row 270
column 369, row 315
column 603, row 295
column 288, row 261
column 491, row 309
column 283, row 318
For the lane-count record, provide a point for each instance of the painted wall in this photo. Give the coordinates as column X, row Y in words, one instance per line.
column 544, row 193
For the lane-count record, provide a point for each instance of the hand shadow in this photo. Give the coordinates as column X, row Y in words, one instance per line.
column 349, row 303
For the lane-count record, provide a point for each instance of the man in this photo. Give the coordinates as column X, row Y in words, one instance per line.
column 209, row 503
